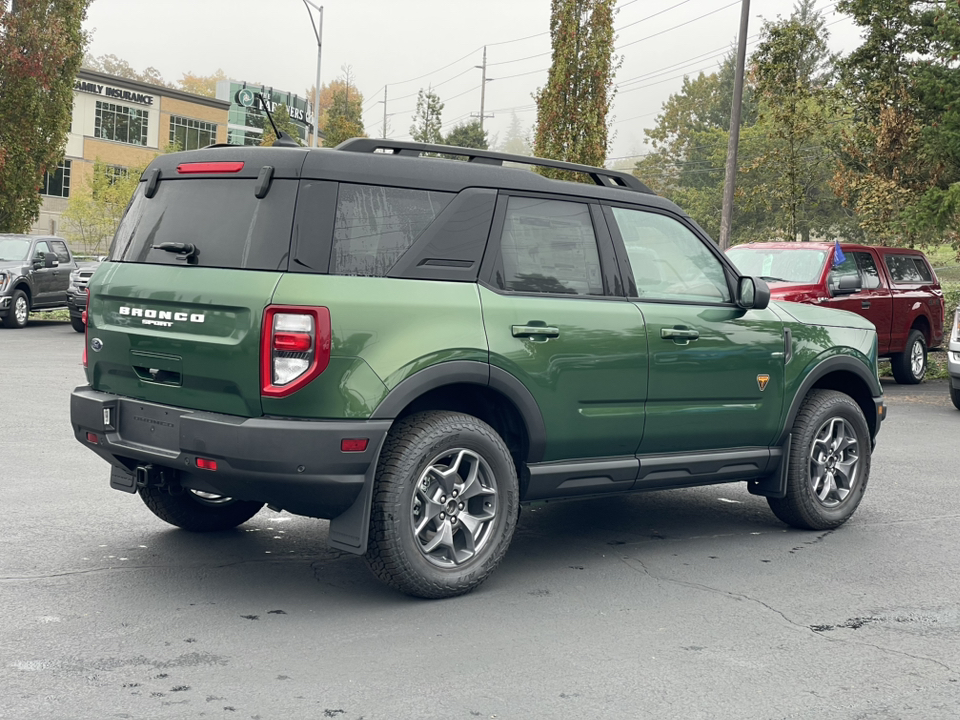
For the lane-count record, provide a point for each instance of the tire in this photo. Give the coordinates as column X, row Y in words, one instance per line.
column 429, row 464
column 825, row 487
column 910, row 366
column 78, row 324
column 197, row 512
column 955, row 397
column 19, row 312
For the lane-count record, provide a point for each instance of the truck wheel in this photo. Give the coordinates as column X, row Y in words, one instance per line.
column 829, row 463
column 955, row 397
column 910, row 366
column 445, row 505
column 196, row 511
column 19, row 311
column 78, row 324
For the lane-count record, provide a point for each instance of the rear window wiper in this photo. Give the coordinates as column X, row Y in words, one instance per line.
column 187, row 251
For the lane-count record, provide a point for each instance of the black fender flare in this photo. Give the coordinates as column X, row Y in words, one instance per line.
column 831, row 364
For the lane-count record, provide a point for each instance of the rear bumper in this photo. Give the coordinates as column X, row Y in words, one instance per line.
column 297, row 465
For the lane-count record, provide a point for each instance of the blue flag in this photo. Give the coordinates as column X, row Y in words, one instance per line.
column 838, row 256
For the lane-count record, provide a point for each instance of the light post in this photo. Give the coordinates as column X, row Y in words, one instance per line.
column 317, row 26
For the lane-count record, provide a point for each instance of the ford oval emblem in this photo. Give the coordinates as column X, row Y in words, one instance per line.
column 96, row 344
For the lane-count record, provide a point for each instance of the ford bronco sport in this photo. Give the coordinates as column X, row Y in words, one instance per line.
column 415, row 346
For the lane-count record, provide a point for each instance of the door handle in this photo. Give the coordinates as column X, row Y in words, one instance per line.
column 681, row 336
column 864, row 304
column 535, row 332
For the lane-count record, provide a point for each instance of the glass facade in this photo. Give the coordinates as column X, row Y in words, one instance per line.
column 191, row 134
column 121, row 123
column 246, row 120
column 57, row 183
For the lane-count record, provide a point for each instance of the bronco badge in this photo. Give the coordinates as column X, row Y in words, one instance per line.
column 762, row 381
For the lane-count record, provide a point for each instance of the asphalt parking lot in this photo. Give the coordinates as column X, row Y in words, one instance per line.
column 683, row 604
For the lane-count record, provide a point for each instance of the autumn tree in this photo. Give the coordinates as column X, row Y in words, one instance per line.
column 202, row 84
column 112, row 65
column 281, row 118
column 41, row 46
column 426, row 119
column 468, row 135
column 343, row 118
column 573, row 107
column 97, row 205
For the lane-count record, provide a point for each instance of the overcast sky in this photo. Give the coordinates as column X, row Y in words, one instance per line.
column 409, row 44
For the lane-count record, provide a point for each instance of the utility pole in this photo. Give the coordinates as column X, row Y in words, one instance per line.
column 317, row 27
column 730, row 179
column 384, row 111
column 483, row 88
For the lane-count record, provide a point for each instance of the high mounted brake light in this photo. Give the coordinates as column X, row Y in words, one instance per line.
column 209, row 167
column 294, row 347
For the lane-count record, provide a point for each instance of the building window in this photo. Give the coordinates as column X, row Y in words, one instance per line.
column 121, row 124
column 57, row 184
column 191, row 134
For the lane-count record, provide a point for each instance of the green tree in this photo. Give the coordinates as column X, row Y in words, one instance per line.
column 516, row 141
column 281, row 116
column 468, row 135
column 791, row 141
column 573, row 107
column 97, row 205
column 426, row 119
column 112, row 65
column 41, row 45
column 901, row 155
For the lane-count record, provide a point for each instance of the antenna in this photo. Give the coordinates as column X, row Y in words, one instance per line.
column 283, row 140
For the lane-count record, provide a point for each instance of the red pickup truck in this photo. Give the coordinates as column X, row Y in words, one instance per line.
column 894, row 288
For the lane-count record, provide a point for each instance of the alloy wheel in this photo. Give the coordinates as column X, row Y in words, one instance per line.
column 20, row 310
column 834, row 462
column 916, row 359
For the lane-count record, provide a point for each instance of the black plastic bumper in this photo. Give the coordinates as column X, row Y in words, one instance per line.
column 76, row 303
column 297, row 465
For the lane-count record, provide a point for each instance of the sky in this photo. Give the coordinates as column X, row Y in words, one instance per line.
column 406, row 45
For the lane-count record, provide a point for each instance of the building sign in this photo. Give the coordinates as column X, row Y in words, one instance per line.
column 248, row 98
column 112, row 92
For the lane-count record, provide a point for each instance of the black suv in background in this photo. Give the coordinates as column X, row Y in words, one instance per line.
column 34, row 275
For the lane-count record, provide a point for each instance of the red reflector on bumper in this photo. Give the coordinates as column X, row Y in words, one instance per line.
column 206, row 464
column 92, row 438
column 353, row 444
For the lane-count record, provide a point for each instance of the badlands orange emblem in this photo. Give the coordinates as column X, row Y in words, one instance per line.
column 762, row 381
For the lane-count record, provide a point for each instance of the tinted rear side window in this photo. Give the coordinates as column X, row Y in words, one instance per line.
column 376, row 225
column 908, row 269
column 222, row 218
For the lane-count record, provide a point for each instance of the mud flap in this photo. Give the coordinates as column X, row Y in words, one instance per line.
column 350, row 530
column 122, row 479
column 775, row 484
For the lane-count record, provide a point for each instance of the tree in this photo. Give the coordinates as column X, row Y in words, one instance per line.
column 343, row 118
column 573, row 107
column 516, row 142
column 281, row 117
column 468, row 135
column 901, row 156
column 202, row 84
column 41, row 46
column 112, row 65
column 97, row 205
column 791, row 141
column 426, row 119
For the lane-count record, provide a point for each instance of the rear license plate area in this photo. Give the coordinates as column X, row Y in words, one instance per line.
column 153, row 426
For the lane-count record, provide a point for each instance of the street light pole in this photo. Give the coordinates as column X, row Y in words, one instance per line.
column 730, row 180
column 318, row 31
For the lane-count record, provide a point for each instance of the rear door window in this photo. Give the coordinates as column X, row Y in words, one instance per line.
column 222, row 218
column 376, row 225
column 908, row 269
column 60, row 248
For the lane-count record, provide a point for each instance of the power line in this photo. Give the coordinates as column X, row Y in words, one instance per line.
column 662, row 32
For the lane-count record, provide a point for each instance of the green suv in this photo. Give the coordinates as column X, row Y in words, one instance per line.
column 414, row 346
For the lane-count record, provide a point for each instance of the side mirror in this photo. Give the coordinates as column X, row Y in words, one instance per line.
column 848, row 284
column 50, row 260
column 753, row 293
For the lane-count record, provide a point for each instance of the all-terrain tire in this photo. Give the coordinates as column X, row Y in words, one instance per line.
column 955, row 396
column 445, row 505
column 829, row 463
column 910, row 366
column 197, row 513
column 19, row 312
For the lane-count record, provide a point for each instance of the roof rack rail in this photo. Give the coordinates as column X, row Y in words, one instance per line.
column 601, row 176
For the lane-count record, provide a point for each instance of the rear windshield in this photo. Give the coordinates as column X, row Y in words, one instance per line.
column 221, row 218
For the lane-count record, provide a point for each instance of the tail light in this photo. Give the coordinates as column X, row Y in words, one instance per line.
column 294, row 347
column 86, row 327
